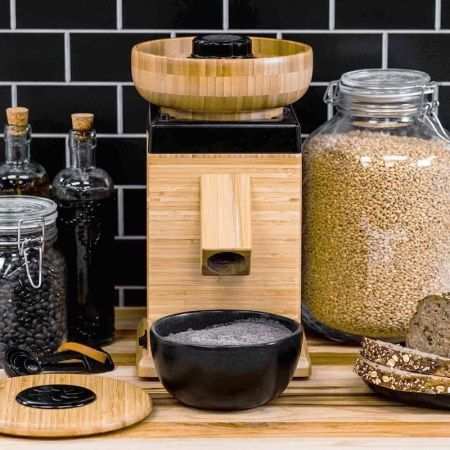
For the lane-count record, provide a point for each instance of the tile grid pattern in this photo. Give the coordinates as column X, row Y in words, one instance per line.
column 71, row 61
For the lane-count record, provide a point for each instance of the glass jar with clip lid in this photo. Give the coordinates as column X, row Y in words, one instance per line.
column 376, row 206
column 32, row 276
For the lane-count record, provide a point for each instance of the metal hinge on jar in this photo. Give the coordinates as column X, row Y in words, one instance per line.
column 24, row 245
column 429, row 110
column 330, row 95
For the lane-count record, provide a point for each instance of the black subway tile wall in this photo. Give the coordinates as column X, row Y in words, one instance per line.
column 445, row 19
column 100, row 100
column 157, row 14
column 397, row 14
column 134, row 212
column 287, row 14
column 60, row 57
column 66, row 14
column 104, row 57
column 32, row 57
column 135, row 110
column 4, row 14
column 5, row 99
column 124, row 158
column 428, row 52
column 335, row 54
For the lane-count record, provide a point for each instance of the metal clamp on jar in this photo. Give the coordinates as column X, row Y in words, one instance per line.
column 376, row 190
column 32, row 275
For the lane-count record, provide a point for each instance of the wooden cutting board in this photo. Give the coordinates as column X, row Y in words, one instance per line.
column 117, row 405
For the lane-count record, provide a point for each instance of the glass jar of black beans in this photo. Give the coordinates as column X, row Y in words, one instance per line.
column 32, row 276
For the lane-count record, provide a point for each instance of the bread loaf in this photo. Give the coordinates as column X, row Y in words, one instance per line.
column 404, row 358
column 400, row 380
column 429, row 329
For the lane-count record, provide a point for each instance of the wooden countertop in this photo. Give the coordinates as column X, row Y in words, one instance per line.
column 332, row 409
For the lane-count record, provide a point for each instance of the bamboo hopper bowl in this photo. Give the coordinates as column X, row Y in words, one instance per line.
column 222, row 89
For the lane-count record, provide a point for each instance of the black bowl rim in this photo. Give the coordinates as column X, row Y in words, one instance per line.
column 299, row 330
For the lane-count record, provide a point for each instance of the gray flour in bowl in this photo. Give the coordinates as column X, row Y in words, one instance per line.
column 240, row 332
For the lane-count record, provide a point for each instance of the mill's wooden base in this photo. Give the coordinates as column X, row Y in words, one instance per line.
column 146, row 369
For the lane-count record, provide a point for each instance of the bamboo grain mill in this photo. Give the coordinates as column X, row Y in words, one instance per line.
column 223, row 176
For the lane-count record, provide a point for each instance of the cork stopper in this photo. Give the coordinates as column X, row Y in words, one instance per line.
column 17, row 116
column 82, row 121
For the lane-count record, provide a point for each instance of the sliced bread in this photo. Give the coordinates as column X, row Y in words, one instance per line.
column 404, row 358
column 429, row 329
column 400, row 380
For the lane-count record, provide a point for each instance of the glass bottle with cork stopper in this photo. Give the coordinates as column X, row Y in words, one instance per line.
column 86, row 226
column 19, row 175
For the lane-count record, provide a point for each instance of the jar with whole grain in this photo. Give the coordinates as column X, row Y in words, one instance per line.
column 376, row 206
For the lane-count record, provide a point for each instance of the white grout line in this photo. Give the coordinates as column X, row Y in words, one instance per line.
column 120, row 220
column 119, row 110
column 99, row 135
column 65, row 83
column 119, row 14
column 384, row 51
column 331, row 14
column 130, row 186
column 96, row 83
column 123, row 135
column 120, row 291
column 236, row 30
column 131, row 287
column 12, row 14
column 225, row 14
column 13, row 95
column 67, row 70
column 129, row 237
column 437, row 14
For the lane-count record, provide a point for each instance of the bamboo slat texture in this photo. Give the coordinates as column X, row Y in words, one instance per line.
column 221, row 89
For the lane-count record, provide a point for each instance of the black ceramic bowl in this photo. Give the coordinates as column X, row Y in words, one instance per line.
column 231, row 377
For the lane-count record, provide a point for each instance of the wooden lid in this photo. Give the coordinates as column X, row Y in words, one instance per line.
column 82, row 121
column 117, row 404
column 17, row 116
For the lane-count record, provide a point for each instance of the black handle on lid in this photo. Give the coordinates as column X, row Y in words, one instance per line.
column 222, row 46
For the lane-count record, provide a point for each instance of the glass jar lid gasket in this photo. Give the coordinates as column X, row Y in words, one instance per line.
column 31, row 210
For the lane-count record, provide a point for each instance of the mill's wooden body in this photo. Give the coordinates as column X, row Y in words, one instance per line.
column 223, row 181
column 203, row 204
column 176, row 281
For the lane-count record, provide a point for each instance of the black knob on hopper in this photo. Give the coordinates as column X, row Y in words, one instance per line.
column 222, row 46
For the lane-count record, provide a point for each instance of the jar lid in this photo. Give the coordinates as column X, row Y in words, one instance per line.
column 30, row 210
column 385, row 85
column 222, row 46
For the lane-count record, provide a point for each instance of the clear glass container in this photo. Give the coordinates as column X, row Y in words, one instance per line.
column 19, row 175
column 376, row 206
column 32, row 276
column 86, row 225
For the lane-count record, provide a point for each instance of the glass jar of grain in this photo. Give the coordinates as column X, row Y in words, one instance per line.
column 376, row 206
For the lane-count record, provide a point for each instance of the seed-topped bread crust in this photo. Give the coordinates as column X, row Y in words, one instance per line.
column 404, row 358
column 400, row 380
column 429, row 329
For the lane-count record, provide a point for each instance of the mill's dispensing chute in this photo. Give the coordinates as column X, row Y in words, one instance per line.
column 223, row 176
